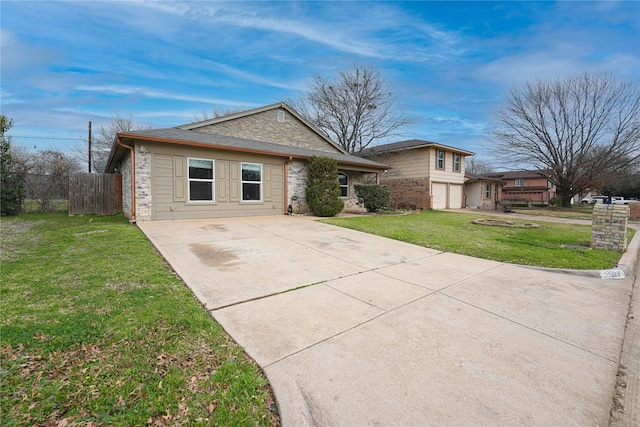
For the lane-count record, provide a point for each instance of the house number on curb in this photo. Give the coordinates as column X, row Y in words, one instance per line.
column 612, row 274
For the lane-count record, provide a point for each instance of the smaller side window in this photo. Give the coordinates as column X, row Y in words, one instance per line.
column 344, row 184
column 519, row 182
column 440, row 159
column 487, row 191
column 456, row 162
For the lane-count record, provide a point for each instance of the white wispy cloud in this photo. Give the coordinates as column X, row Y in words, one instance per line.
column 151, row 93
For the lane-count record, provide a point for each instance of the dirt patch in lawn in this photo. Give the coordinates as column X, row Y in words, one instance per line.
column 504, row 223
column 14, row 232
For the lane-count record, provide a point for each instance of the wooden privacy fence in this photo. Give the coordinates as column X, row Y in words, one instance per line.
column 95, row 193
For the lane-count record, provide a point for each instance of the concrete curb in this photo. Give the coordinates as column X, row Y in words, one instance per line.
column 626, row 265
column 629, row 259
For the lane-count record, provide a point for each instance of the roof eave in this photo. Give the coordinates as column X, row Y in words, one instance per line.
column 379, row 166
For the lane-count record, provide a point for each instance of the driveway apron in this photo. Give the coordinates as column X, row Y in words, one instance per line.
column 353, row 329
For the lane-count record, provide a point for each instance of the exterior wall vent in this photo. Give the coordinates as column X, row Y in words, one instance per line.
column 280, row 116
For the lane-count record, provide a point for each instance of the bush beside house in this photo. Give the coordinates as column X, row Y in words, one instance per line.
column 323, row 188
column 373, row 196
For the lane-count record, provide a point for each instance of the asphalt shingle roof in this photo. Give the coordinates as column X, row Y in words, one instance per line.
column 176, row 135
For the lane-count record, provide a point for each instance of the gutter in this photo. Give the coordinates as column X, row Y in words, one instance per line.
column 133, row 179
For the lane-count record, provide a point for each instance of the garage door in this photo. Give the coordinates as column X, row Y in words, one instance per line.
column 455, row 196
column 439, row 192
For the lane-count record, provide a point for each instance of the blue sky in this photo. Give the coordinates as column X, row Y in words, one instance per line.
column 451, row 63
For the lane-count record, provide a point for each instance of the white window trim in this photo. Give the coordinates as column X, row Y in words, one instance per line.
column 444, row 156
column 242, row 182
column 521, row 180
column 348, row 179
column 212, row 181
column 487, row 191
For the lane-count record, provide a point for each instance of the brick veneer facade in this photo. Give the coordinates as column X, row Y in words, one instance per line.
column 409, row 192
column 609, row 227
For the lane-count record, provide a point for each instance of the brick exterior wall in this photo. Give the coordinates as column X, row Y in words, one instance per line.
column 635, row 211
column 125, row 170
column 409, row 192
column 265, row 127
column 609, row 227
column 297, row 181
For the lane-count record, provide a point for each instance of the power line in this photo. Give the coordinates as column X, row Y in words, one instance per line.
column 48, row 137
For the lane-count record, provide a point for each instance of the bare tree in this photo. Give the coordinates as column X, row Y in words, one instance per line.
column 106, row 134
column 477, row 166
column 573, row 130
column 48, row 177
column 219, row 112
column 356, row 109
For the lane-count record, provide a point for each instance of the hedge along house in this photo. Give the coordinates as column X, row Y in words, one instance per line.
column 250, row 163
column 425, row 174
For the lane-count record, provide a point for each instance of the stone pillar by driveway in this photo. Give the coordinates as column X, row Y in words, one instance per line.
column 609, row 227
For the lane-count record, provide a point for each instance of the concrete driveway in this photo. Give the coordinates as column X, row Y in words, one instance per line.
column 353, row 329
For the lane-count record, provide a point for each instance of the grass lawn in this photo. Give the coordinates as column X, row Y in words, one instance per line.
column 96, row 330
column 453, row 232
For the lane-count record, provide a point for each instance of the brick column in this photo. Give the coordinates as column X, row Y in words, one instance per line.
column 609, row 227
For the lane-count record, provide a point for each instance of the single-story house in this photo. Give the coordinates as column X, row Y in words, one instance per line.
column 530, row 187
column 244, row 164
column 423, row 174
column 481, row 191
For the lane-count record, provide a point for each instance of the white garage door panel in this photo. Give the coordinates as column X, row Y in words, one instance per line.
column 455, row 196
column 439, row 192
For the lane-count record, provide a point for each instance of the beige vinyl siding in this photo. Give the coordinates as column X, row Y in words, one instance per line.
column 170, row 181
column 446, row 175
column 407, row 164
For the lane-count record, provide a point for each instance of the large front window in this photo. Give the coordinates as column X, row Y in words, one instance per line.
column 201, row 180
column 251, row 182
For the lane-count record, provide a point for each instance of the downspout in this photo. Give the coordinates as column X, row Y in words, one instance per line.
column 133, row 179
column 286, row 184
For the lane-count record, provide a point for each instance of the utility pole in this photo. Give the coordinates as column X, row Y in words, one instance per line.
column 89, row 146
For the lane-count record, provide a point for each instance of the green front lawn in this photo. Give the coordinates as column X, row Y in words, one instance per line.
column 453, row 232
column 97, row 330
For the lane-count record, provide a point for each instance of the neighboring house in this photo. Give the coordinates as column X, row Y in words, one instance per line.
column 528, row 187
column 244, row 164
column 422, row 174
column 482, row 192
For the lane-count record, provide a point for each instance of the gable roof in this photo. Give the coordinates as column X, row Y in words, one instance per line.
column 276, row 106
column 410, row 144
column 185, row 137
